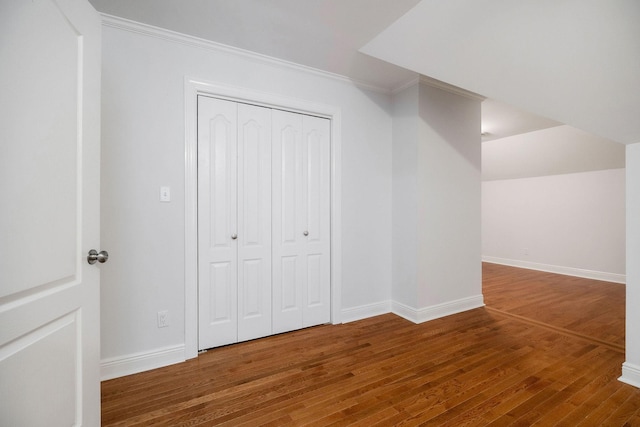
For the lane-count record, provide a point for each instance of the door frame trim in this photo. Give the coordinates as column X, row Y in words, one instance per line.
column 194, row 87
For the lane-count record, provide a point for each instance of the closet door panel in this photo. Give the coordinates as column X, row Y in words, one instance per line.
column 314, row 294
column 313, row 187
column 287, row 196
column 289, row 178
column 217, row 213
column 289, row 300
column 316, row 211
column 252, row 297
column 264, row 221
column 220, row 293
column 254, row 222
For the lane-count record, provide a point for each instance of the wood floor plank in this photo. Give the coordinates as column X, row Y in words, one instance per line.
column 565, row 375
column 551, row 298
column 528, row 358
column 602, row 410
column 625, row 411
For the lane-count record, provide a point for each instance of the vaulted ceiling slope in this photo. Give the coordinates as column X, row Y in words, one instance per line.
column 322, row 34
column 575, row 61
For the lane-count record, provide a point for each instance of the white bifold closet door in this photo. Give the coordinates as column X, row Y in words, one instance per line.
column 234, row 222
column 301, row 221
column 263, row 221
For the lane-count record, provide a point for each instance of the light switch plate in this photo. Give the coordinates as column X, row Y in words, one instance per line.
column 165, row 194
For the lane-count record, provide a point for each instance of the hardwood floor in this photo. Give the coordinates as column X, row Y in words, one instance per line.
column 590, row 307
column 545, row 351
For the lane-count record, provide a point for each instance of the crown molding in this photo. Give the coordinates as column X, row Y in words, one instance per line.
column 406, row 85
column 192, row 41
column 429, row 81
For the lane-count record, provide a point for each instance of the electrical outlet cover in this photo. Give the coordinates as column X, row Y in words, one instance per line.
column 163, row 319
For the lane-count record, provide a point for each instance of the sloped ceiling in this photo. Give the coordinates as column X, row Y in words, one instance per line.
column 575, row 61
column 323, row 34
column 551, row 151
column 500, row 120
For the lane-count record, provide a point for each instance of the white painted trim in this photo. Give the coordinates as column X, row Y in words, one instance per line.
column 558, row 269
column 437, row 84
column 429, row 81
column 412, row 314
column 365, row 311
column 404, row 311
column 139, row 362
column 425, row 314
column 194, row 87
column 630, row 374
column 191, row 41
column 406, row 85
column 190, row 221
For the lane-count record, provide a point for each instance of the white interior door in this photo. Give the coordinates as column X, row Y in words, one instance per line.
column 316, row 134
column 288, row 221
column 301, row 225
column 217, row 222
column 234, row 221
column 263, row 221
column 254, row 222
column 49, row 181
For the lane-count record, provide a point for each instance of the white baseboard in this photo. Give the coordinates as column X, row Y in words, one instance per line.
column 630, row 374
column 365, row 311
column 425, row 314
column 139, row 362
column 558, row 269
column 412, row 314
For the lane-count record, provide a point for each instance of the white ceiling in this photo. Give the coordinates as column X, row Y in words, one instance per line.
column 500, row 120
column 323, row 34
column 551, row 151
column 575, row 61
column 327, row 35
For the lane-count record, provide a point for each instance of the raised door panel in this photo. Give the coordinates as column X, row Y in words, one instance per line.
column 217, row 222
column 289, row 180
column 316, row 169
column 288, row 227
column 254, row 222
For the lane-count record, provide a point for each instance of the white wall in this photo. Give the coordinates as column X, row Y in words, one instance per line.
column 436, row 210
column 406, row 195
column 450, row 158
column 143, row 142
column 631, row 366
column 570, row 223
